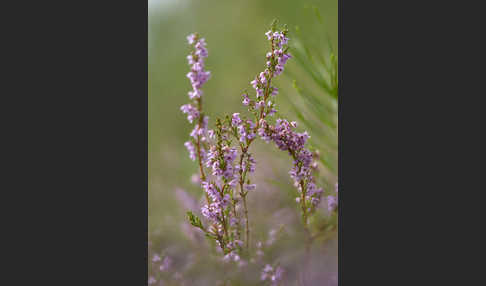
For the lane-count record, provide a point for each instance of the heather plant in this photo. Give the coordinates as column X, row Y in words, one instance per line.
column 226, row 163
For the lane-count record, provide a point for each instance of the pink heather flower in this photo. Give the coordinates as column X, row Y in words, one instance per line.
column 211, row 191
column 191, row 111
column 209, row 212
column 269, row 35
column 254, row 83
column 200, row 130
column 235, row 120
column 191, row 39
column 278, row 69
column 201, row 48
column 151, row 280
column 195, row 94
column 259, row 92
column 242, row 132
column 260, row 104
column 246, row 99
column 263, row 77
column 190, row 59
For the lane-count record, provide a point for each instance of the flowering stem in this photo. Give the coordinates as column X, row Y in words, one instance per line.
column 199, row 108
column 304, row 210
column 242, row 193
column 246, row 223
column 244, row 151
column 302, row 203
column 235, row 214
column 198, row 146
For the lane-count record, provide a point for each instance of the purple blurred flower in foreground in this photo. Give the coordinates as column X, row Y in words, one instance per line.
column 166, row 263
column 156, row 258
column 274, row 276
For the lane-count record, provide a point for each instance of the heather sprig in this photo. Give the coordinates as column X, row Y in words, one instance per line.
column 262, row 106
column 225, row 161
column 286, row 139
column 282, row 133
column 219, row 156
column 198, row 76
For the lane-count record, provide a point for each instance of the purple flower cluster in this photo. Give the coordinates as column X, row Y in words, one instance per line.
column 221, row 161
column 220, row 209
column 198, row 76
column 286, row 139
column 278, row 57
column 200, row 133
column 275, row 62
column 191, row 111
column 219, row 202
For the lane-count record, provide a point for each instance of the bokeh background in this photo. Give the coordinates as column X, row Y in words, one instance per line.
column 234, row 32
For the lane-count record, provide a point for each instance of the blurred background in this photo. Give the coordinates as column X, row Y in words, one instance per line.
column 234, row 32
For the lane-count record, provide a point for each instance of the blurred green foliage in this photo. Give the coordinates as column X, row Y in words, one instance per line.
column 316, row 105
